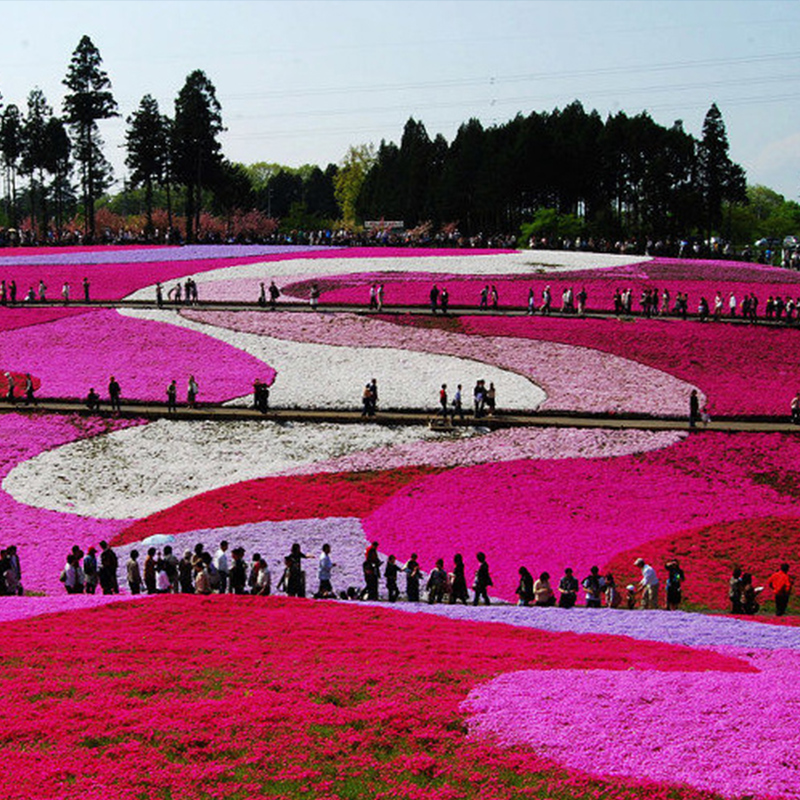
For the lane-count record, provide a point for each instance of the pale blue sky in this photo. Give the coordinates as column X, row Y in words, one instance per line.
column 300, row 81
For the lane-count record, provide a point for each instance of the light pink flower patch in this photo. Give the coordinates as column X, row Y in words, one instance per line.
column 13, row 608
column 503, row 445
column 733, row 733
column 569, row 375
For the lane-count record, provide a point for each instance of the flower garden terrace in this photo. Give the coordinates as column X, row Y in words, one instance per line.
column 162, row 703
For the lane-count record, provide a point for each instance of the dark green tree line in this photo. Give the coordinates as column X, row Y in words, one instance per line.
column 623, row 176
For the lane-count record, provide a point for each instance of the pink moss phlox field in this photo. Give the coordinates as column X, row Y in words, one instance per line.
column 742, row 369
column 231, row 697
column 548, row 515
column 43, row 538
column 697, row 278
column 730, row 733
column 72, row 355
column 568, row 374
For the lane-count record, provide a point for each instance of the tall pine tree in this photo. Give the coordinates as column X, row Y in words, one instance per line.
column 196, row 152
column 89, row 100
column 148, row 151
column 719, row 179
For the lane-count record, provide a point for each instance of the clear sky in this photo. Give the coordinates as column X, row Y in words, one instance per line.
column 301, row 81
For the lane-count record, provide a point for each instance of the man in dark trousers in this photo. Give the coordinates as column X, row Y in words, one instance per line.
column 114, row 394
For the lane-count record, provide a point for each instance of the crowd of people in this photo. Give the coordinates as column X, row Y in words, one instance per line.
column 38, row 294
column 227, row 570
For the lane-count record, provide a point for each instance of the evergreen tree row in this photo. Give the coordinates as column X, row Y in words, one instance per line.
column 625, row 176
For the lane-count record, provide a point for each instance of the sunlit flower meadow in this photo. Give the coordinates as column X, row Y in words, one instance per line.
column 181, row 696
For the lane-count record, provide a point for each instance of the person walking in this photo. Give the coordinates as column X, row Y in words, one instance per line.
column 133, row 574
column 434, row 298
column 568, row 589
column 458, row 585
column 483, row 581
column 192, row 390
column 326, row 566
column 694, row 409
column 443, row 400
column 458, row 407
column 172, row 396
column 675, row 579
column 413, row 578
column 781, row 583
column 109, row 563
column 29, row 397
column 390, row 574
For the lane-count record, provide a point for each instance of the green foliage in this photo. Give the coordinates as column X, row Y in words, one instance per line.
column 147, row 139
column 767, row 214
column 349, row 179
column 550, row 224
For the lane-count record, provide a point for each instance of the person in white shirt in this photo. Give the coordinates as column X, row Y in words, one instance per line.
column 325, row 567
column 648, row 585
column 263, row 580
column 221, row 563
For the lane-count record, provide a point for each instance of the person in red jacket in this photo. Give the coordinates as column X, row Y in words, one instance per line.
column 781, row 583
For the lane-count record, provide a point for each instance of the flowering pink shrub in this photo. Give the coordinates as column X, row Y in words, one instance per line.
column 746, row 370
column 708, row 554
column 567, row 373
column 43, row 538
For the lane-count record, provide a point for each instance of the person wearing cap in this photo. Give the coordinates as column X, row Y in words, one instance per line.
column 648, row 584
column 413, row 577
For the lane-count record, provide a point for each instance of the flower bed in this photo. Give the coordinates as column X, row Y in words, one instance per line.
column 567, row 373
column 71, row 355
column 745, row 370
column 548, row 515
column 232, row 696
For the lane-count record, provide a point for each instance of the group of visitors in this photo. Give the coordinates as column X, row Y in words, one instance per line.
column 601, row 589
column 743, row 595
column 8, row 292
column 11, row 389
column 228, row 571
column 274, row 294
column 484, row 399
column 192, row 390
column 84, row 572
column 185, row 293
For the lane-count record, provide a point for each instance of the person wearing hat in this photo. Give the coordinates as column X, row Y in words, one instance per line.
column 648, row 585
column 413, row 577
